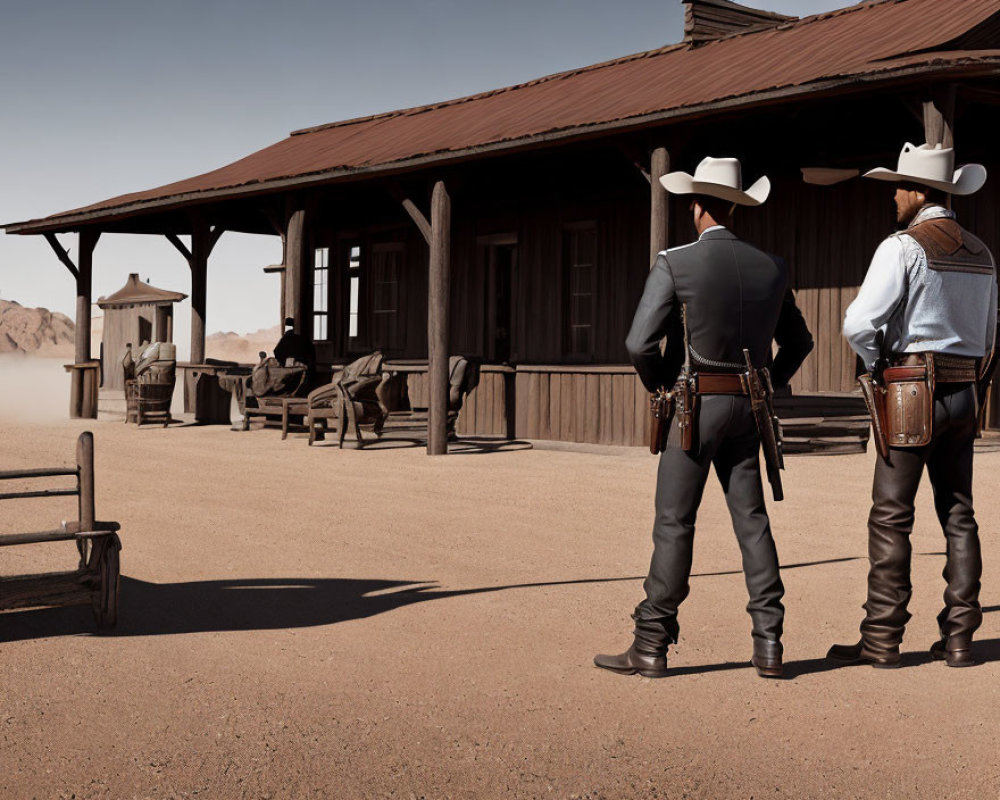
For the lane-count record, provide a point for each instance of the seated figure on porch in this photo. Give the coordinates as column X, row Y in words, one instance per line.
column 294, row 348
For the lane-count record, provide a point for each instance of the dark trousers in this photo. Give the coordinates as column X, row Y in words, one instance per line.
column 949, row 465
column 727, row 438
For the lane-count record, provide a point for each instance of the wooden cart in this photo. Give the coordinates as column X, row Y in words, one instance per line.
column 96, row 581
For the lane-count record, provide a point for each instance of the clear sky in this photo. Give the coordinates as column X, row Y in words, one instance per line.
column 105, row 97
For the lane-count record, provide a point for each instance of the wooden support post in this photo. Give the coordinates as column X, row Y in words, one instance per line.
column 939, row 118
column 84, row 281
column 85, row 465
column 83, row 381
column 282, row 310
column 411, row 208
column 295, row 276
column 939, row 121
column 438, row 309
column 201, row 247
column 659, row 214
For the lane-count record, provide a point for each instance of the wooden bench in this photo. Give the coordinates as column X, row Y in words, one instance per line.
column 96, row 580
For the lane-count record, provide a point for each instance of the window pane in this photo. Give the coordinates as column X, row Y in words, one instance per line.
column 320, row 290
column 319, row 327
column 322, row 256
column 353, row 315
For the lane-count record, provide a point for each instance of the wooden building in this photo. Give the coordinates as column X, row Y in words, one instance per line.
column 517, row 225
column 136, row 313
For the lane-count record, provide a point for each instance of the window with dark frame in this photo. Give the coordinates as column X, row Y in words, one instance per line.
column 579, row 280
column 353, row 293
column 384, row 274
column 321, row 294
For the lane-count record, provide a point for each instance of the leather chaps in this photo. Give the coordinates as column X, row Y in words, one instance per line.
column 948, row 459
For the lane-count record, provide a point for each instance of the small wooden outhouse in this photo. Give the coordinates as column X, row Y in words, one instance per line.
column 134, row 314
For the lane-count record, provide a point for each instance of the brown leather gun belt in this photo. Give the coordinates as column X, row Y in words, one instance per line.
column 722, row 383
column 947, row 368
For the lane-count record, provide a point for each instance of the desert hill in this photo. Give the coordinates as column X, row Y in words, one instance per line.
column 34, row 331
column 40, row 332
column 231, row 346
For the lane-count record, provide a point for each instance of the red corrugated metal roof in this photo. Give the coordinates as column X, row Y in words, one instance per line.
column 864, row 40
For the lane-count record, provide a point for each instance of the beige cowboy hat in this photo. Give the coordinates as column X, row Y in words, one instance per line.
column 934, row 166
column 718, row 177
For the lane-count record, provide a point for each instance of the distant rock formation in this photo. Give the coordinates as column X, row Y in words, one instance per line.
column 35, row 331
column 230, row 346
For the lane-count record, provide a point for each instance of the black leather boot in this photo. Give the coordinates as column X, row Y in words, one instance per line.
column 860, row 654
column 955, row 651
column 767, row 658
column 632, row 661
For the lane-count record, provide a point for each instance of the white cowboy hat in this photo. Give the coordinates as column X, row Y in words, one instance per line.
column 933, row 166
column 718, row 177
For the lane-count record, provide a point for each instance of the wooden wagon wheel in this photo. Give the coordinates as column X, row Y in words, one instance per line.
column 105, row 600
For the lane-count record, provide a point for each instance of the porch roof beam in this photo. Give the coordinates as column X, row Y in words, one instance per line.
column 175, row 240
column 62, row 255
column 415, row 213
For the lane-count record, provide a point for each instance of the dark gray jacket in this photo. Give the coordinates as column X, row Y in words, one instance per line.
column 736, row 295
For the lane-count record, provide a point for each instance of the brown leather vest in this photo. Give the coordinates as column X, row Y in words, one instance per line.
column 951, row 248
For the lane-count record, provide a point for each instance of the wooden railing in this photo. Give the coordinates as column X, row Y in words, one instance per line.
column 96, row 581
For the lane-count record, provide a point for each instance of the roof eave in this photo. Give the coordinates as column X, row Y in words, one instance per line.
column 973, row 66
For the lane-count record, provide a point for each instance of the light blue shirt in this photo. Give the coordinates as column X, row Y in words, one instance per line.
column 921, row 309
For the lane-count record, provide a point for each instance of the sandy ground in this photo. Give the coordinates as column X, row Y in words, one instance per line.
column 308, row 622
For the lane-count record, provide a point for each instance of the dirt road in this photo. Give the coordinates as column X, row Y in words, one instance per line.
column 313, row 623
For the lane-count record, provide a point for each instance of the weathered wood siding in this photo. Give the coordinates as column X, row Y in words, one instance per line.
column 121, row 326
column 598, row 405
column 488, row 409
column 826, row 234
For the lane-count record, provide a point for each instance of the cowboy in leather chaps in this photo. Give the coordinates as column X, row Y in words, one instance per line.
column 948, row 459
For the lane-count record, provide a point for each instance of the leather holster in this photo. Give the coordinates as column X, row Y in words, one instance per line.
column 909, row 401
column 661, row 410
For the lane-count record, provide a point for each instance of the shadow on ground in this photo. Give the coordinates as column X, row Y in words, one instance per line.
column 153, row 609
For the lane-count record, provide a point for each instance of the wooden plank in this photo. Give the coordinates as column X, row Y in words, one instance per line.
column 617, row 409
column 627, row 407
column 555, row 405
column 38, row 493
column 579, row 408
column 592, row 411
column 489, row 405
column 566, row 408
column 8, row 539
column 523, row 409
column 544, row 406
column 604, row 399
column 85, row 464
column 641, row 412
column 41, row 472
column 585, row 369
column 467, row 423
column 498, row 423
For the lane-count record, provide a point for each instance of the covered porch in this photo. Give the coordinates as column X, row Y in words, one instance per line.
column 516, row 227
